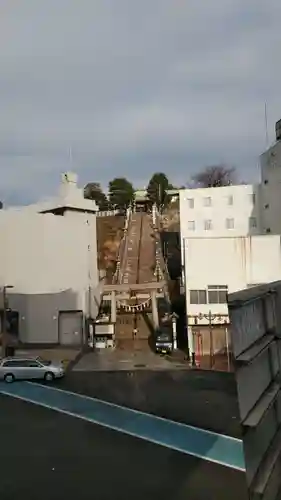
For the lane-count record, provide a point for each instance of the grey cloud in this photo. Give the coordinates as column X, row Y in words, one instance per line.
column 133, row 86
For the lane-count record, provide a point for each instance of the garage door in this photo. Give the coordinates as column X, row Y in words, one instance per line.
column 70, row 328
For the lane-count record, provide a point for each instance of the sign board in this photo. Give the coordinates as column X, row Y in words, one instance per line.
column 104, row 329
column 255, row 339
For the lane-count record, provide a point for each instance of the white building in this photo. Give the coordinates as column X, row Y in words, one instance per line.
column 220, row 211
column 216, row 266
column 51, row 263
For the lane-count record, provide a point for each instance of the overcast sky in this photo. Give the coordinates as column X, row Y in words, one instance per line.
column 134, row 86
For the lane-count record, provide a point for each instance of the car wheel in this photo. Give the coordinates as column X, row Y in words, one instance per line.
column 49, row 377
column 9, row 378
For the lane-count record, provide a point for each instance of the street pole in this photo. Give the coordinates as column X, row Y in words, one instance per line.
column 227, row 348
column 4, row 325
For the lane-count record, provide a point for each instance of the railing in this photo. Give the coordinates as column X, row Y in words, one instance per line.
column 255, row 321
column 117, row 277
column 161, row 269
column 108, row 213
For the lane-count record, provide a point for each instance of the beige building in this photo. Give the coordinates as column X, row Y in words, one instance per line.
column 48, row 254
column 217, row 266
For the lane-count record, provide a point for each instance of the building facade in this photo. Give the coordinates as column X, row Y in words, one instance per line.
column 220, row 211
column 217, row 266
column 270, row 163
column 48, row 254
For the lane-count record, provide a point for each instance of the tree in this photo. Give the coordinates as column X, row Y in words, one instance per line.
column 121, row 193
column 215, row 176
column 93, row 191
column 157, row 189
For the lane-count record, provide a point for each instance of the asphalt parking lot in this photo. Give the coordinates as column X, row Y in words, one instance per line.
column 45, row 454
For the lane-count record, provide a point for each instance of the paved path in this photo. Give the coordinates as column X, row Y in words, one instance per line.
column 55, row 354
column 138, row 261
column 106, row 360
column 48, row 455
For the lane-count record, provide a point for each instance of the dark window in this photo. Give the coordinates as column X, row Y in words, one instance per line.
column 217, row 294
column 9, row 363
column 14, row 363
column 265, row 181
column 32, row 364
column 268, row 230
column 266, row 206
column 198, row 297
column 24, row 363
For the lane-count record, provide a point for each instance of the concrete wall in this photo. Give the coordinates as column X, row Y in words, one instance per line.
column 270, row 163
column 39, row 314
column 235, row 262
column 51, row 261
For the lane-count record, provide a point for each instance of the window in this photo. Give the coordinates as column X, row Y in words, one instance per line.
column 191, row 225
column 208, row 225
column 217, row 294
column 265, row 181
column 266, row 206
column 252, row 222
column 229, row 223
column 207, row 201
column 43, row 361
column 198, row 297
column 190, row 202
column 32, row 364
column 20, row 363
column 268, row 230
column 10, row 363
column 230, row 200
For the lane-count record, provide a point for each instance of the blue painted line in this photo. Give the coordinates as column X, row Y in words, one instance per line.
column 218, row 448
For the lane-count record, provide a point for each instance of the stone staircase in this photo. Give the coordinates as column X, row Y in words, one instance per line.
column 137, row 266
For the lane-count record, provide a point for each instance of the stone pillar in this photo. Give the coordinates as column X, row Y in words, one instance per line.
column 174, row 325
column 154, row 214
column 113, row 306
column 191, row 350
column 155, row 317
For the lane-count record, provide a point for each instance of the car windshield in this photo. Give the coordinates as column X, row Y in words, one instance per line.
column 43, row 361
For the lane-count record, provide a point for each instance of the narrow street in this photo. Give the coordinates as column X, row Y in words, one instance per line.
column 48, row 455
column 62, row 456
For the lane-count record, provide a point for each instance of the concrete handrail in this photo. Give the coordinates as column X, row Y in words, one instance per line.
column 117, row 277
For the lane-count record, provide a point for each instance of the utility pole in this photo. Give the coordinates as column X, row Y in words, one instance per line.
column 4, row 325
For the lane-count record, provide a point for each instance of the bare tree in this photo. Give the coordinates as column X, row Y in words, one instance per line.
column 215, row 176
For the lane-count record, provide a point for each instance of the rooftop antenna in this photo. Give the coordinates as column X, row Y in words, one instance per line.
column 70, row 156
column 266, row 126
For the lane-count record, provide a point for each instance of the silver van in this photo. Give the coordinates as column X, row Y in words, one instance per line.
column 17, row 368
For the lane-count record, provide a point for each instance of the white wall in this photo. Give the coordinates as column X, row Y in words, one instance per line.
column 245, row 205
column 270, row 163
column 48, row 253
column 236, row 262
